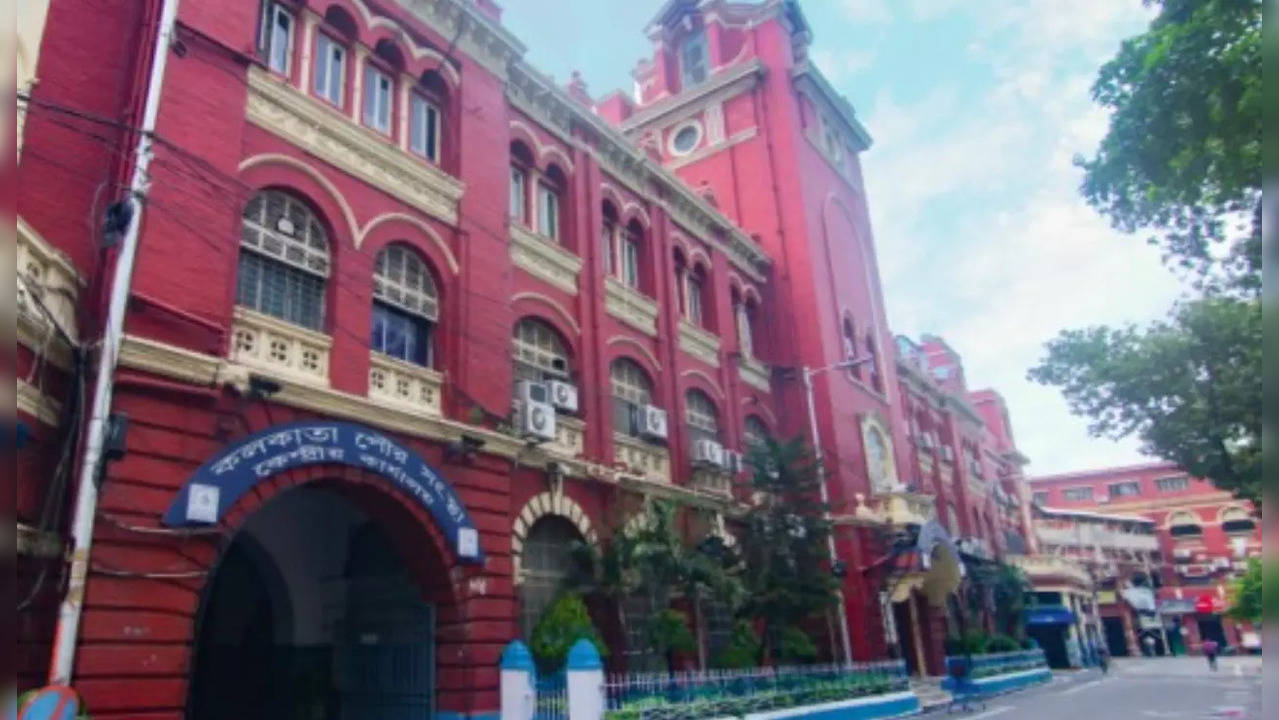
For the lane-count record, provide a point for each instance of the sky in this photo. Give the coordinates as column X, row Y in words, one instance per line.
column 977, row 108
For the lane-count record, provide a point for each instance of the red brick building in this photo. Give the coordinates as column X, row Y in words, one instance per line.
column 407, row 319
column 1205, row 537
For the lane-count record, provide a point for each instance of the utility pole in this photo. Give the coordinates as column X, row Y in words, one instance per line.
column 808, row 374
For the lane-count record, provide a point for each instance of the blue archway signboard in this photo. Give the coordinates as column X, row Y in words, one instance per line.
column 216, row 485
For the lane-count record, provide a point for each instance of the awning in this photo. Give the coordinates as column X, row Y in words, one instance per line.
column 1050, row 615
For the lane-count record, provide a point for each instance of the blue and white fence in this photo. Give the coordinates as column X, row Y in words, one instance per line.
column 855, row 690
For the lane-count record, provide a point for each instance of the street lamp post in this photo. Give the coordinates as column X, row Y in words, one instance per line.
column 808, row 375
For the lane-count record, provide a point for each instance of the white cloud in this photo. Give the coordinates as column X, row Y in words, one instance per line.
column 840, row 65
column 981, row 233
column 867, row 12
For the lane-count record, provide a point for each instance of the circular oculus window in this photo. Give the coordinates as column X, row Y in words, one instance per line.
column 686, row 138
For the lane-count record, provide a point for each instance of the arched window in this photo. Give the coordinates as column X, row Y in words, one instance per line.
column 849, row 337
column 629, row 254
column 284, row 260
column 405, row 305
column 1237, row 520
column 1184, row 523
column 695, row 296
column 331, row 41
column 381, row 69
column 539, row 351
column 521, row 167
column 632, row 390
column 550, row 186
column 701, row 417
column 428, row 110
column 744, row 312
column 754, row 433
column 545, row 562
column 608, row 238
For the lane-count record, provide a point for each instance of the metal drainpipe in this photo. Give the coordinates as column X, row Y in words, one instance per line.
column 67, row 632
column 825, row 495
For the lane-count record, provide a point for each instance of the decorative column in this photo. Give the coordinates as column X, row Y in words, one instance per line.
column 518, row 697
column 585, row 682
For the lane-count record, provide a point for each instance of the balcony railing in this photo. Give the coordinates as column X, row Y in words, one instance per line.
column 652, row 462
column 714, row 481
column 544, row 259
column 630, row 306
column 701, row 344
column 1050, row 566
column 895, row 508
column 1085, row 536
column 754, row 373
column 570, row 437
column 280, row 348
column 403, row 384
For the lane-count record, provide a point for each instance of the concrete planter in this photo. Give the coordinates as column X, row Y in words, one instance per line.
column 891, row 705
column 1007, row 682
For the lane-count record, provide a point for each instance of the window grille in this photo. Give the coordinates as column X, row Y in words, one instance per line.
column 538, row 351
column 284, row 260
column 631, row 390
column 700, row 415
column 545, row 562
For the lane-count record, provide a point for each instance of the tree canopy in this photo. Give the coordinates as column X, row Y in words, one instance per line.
column 1246, row 594
column 1182, row 156
column 1181, row 159
column 1188, row 387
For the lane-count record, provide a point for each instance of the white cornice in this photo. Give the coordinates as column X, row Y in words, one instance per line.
column 806, row 71
column 721, row 86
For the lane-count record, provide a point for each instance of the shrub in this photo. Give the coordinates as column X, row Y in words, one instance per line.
column 972, row 642
column 564, row 623
column 742, row 648
column 1029, row 644
column 796, row 646
column 1001, row 643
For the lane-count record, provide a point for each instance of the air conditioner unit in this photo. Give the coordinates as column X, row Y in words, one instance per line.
column 926, row 440
column 651, row 422
column 1181, row 553
column 1221, row 562
column 563, row 395
column 559, row 367
column 536, row 415
column 708, row 452
column 948, row 454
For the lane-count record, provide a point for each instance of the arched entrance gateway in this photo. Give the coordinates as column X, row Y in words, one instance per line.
column 325, row 599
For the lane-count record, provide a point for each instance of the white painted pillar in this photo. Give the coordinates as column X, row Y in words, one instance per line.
column 585, row 682
column 517, row 694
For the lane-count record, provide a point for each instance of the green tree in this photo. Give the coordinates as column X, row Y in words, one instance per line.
column 783, row 544
column 1245, row 594
column 1183, row 153
column 1188, row 387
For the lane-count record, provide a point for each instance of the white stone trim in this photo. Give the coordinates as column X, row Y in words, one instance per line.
column 538, row 507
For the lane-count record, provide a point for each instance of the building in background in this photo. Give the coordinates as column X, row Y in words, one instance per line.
column 1204, row 535
column 1120, row 559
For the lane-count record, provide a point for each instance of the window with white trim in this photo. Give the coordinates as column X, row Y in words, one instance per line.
column 628, row 258
column 608, row 239
column 1172, row 484
column 754, row 433
column 632, row 390
column 694, row 59
column 548, row 211
column 275, row 36
column 378, row 89
column 1125, row 489
column 519, row 194
column 405, row 305
column 284, row 260
column 745, row 333
column 424, row 128
column 330, row 69
column 701, row 417
column 1077, row 494
column 538, row 351
column 694, row 286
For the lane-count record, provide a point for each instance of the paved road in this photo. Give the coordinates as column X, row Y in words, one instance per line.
column 1139, row 689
